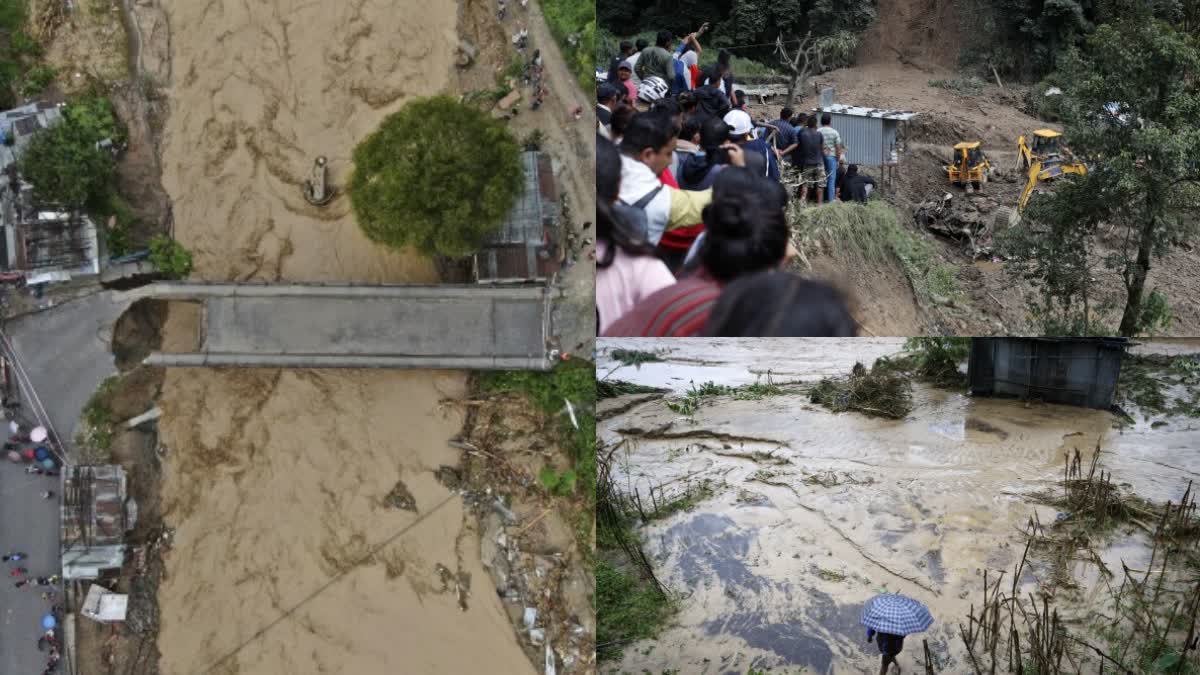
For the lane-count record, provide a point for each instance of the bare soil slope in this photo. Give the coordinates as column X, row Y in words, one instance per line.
column 920, row 31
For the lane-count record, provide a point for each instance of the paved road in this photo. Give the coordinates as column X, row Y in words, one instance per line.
column 381, row 326
column 28, row 524
column 65, row 353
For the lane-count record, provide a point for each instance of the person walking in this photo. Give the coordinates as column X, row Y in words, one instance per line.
column 831, row 149
column 13, row 557
column 888, row 618
column 18, row 571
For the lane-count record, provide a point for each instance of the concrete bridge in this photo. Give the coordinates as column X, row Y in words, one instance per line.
column 288, row 325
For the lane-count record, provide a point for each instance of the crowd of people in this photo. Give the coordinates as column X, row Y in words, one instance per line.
column 692, row 196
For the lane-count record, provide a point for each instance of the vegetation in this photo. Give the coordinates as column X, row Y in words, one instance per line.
column 615, row 388
column 170, row 257
column 879, row 392
column 932, row 359
column 634, row 357
column 626, row 610
column 1028, row 38
column 64, row 164
column 869, row 234
column 1161, row 385
column 691, row 401
column 1144, row 177
column 573, row 23
column 438, row 175
column 98, row 426
column 20, row 73
column 573, row 381
column 748, row 28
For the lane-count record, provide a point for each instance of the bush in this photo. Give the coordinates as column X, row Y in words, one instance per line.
column 438, row 175
column 573, row 23
column 170, row 257
column 63, row 163
column 879, row 392
column 38, row 79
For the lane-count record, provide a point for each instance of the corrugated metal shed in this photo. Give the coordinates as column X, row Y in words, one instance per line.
column 869, row 134
column 1071, row 371
column 525, row 248
column 93, row 520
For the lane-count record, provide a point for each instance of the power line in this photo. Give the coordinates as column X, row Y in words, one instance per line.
column 332, row 580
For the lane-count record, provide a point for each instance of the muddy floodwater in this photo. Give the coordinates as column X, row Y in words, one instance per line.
column 310, row 534
column 815, row 512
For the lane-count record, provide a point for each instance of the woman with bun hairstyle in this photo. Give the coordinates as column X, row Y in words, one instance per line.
column 746, row 231
column 780, row 304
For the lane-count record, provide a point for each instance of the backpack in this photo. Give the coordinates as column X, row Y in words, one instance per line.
column 635, row 213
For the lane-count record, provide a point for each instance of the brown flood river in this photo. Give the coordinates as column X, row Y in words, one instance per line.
column 774, row 568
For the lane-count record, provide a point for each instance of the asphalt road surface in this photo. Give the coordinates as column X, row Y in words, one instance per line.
column 28, row 523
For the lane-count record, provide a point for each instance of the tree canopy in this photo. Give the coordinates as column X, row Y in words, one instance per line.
column 438, row 175
column 63, row 163
column 1130, row 107
column 750, row 25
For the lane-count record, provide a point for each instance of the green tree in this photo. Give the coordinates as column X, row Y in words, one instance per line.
column 1144, row 177
column 63, row 163
column 170, row 257
column 438, row 175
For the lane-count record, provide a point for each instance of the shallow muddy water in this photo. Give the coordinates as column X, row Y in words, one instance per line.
column 816, row 512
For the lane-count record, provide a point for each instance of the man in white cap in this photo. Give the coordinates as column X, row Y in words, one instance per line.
column 760, row 159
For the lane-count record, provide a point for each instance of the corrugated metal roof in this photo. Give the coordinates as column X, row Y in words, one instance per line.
column 523, row 248
column 861, row 111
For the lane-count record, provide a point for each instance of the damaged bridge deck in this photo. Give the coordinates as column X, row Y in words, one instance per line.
column 353, row 326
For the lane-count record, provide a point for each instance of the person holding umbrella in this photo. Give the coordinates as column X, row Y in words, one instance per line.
column 888, row 618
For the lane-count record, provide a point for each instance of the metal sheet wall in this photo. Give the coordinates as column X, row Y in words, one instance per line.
column 863, row 137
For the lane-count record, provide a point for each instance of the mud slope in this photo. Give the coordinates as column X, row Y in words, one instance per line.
column 923, row 32
column 259, row 91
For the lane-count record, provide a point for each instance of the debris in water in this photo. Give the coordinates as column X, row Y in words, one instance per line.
column 879, row 392
column 401, row 498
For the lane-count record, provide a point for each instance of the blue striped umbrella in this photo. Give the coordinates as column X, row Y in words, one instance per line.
column 896, row 615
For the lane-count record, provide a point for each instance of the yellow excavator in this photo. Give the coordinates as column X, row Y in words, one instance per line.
column 970, row 165
column 1045, row 160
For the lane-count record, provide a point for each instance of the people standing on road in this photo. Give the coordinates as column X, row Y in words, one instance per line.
column 21, row 583
column 812, row 161
column 634, row 58
column 606, row 101
column 760, row 158
column 18, row 571
column 831, row 149
column 47, row 494
column 745, row 231
column 785, row 139
column 14, row 557
column 624, row 52
column 656, row 61
column 647, row 149
column 625, row 79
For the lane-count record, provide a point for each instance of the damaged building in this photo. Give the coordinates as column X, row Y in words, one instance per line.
column 525, row 248
column 96, row 514
column 39, row 242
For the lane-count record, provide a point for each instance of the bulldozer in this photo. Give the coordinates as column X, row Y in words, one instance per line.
column 1045, row 160
column 970, row 165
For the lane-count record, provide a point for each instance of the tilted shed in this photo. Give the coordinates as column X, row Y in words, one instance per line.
column 869, row 134
column 1071, row 371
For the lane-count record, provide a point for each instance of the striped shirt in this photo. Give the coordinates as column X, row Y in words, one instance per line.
column 679, row 310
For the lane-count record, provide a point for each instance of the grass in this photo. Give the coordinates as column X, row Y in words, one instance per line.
column 879, row 392
column 575, row 381
column 686, row 500
column 933, row 359
column 98, row 424
column 691, row 401
column 863, row 235
column 614, row 388
column 573, row 23
column 627, row 610
column 970, row 86
column 119, row 237
column 634, row 357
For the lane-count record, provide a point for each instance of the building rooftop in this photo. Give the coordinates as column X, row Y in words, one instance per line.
column 524, row 247
column 860, row 111
column 94, row 520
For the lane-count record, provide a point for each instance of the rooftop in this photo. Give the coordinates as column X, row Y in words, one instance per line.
column 860, row 111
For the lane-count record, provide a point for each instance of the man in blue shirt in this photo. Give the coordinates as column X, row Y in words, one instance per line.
column 785, row 138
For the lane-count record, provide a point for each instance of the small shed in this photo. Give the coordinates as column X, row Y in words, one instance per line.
column 103, row 605
column 1071, row 371
column 525, row 248
column 95, row 518
column 869, row 134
